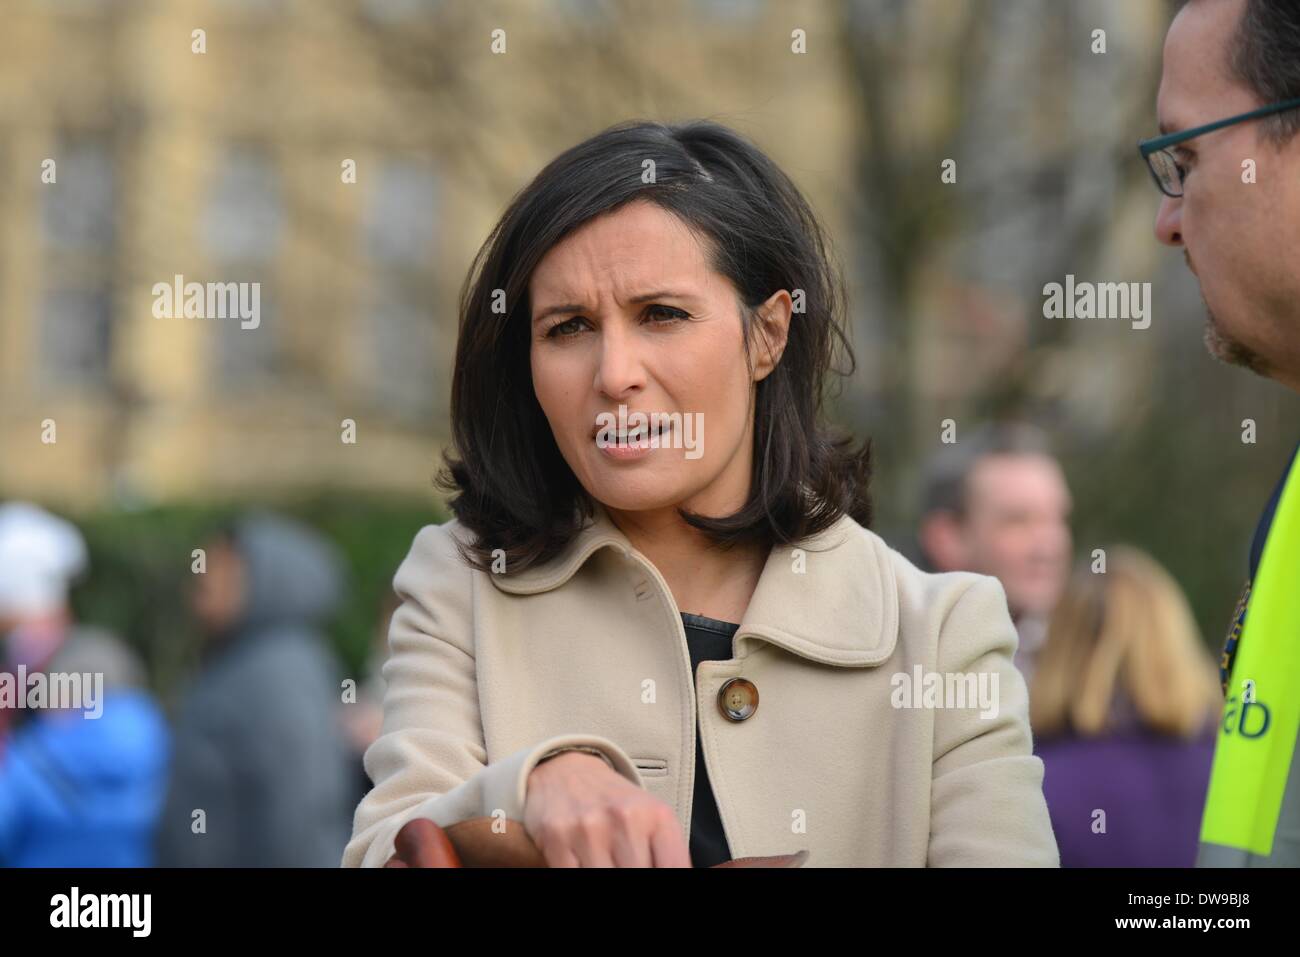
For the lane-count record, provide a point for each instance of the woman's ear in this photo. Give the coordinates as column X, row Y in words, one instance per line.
column 771, row 328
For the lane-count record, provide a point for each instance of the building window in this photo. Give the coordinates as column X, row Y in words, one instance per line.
column 400, row 217
column 730, row 9
column 400, row 230
column 256, row 7
column 398, row 11
column 401, row 375
column 596, row 10
column 247, row 356
column 75, row 336
column 244, row 213
column 79, row 6
column 79, row 203
column 79, row 231
column 242, row 227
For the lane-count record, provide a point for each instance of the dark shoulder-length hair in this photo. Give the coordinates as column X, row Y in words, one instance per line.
column 514, row 491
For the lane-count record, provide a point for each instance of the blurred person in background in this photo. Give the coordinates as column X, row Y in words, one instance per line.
column 1123, row 708
column 260, row 747
column 997, row 503
column 81, row 784
column 363, row 720
column 1229, row 106
column 40, row 555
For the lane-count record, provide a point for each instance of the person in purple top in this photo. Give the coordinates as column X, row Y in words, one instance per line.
column 1123, row 707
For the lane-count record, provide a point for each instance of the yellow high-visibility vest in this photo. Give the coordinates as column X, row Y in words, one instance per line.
column 1257, row 736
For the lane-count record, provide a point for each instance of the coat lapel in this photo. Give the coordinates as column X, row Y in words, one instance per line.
column 836, row 603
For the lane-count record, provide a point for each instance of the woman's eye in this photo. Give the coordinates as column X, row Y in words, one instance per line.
column 666, row 314
column 563, row 329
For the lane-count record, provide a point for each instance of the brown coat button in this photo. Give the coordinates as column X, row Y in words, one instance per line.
column 737, row 699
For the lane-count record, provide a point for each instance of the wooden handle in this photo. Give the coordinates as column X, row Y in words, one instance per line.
column 490, row 842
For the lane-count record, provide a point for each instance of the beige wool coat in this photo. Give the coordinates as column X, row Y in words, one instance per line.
column 487, row 672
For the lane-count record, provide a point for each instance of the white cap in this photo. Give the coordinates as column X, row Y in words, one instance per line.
column 40, row 555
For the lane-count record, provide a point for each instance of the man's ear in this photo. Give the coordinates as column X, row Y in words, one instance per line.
column 771, row 330
column 940, row 538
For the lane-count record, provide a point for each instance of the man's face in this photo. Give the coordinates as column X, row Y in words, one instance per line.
column 218, row 595
column 1017, row 529
column 1240, row 239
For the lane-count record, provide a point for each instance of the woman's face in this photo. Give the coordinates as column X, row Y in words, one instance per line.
column 626, row 311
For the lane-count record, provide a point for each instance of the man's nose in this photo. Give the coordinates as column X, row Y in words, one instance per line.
column 621, row 370
column 1169, row 221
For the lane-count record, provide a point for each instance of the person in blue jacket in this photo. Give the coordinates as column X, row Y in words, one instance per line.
column 79, row 791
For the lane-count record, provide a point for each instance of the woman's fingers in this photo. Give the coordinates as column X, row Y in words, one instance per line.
column 558, row 852
column 633, row 832
column 628, row 830
column 668, row 847
column 594, row 838
column 583, row 814
column 640, row 836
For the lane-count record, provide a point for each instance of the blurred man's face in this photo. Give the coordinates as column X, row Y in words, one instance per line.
column 1016, row 528
column 218, row 595
column 1241, row 240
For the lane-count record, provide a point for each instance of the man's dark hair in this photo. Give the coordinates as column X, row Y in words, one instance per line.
column 945, row 481
column 1265, row 55
column 515, row 491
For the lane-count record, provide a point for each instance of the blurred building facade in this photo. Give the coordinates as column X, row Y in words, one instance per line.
column 231, row 165
column 228, row 166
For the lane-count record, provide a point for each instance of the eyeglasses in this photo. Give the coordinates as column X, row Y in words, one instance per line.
column 1165, row 168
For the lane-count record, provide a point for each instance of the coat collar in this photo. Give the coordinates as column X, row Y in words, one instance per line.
column 841, row 609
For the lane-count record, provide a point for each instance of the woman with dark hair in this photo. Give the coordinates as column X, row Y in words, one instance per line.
column 653, row 528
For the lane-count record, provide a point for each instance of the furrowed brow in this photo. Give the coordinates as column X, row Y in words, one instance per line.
column 557, row 310
column 637, row 299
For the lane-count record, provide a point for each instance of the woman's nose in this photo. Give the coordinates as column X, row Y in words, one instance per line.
column 1169, row 221
column 620, row 368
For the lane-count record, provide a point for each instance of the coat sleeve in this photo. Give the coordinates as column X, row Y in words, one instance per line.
column 430, row 760
column 987, row 805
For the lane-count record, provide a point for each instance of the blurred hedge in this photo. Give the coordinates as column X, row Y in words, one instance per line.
column 140, row 578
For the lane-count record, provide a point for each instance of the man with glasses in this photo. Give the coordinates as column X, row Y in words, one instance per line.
column 1228, row 164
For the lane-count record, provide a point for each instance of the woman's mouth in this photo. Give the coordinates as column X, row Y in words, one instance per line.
column 632, row 443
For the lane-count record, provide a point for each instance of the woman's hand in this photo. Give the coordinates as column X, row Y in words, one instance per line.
column 581, row 813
